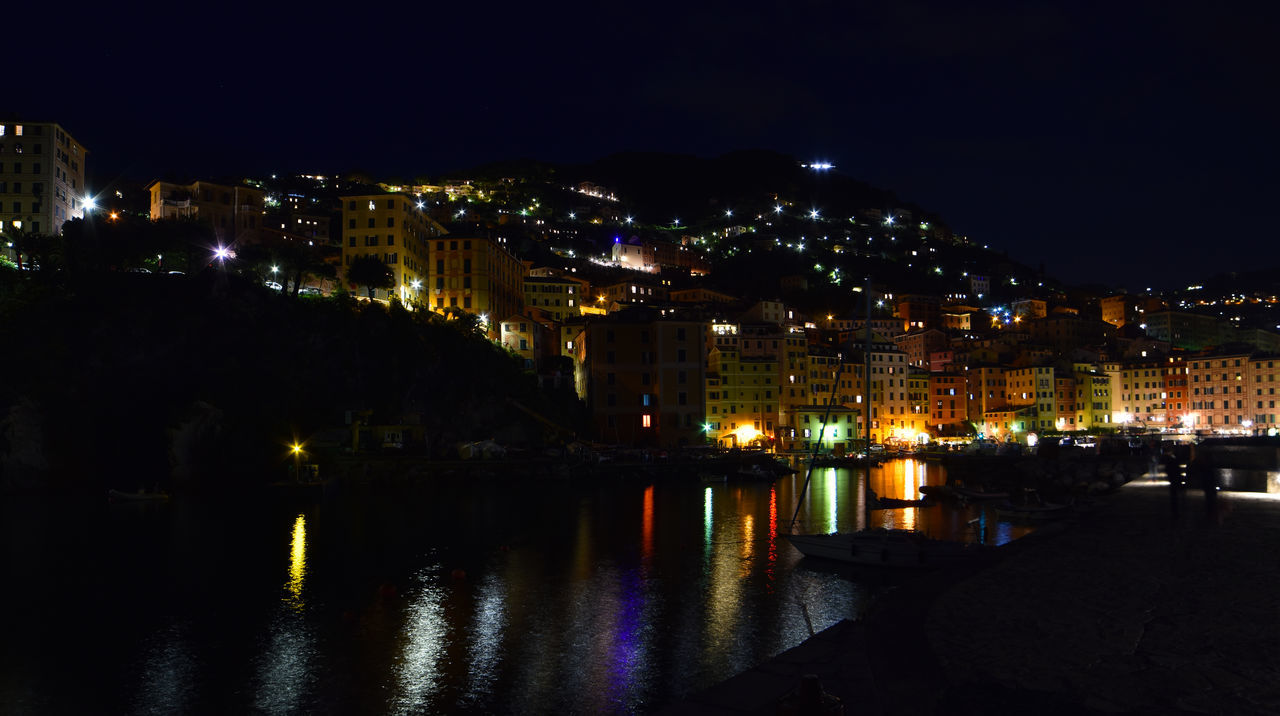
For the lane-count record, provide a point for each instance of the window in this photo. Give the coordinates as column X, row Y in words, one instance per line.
column 646, row 420
column 391, row 222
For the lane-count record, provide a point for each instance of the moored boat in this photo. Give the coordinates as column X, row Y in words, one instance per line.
column 886, row 547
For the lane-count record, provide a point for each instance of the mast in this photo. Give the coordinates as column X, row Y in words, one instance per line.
column 866, row 408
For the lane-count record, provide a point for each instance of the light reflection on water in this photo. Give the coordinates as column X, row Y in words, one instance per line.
column 425, row 637
column 285, row 667
column 615, row 597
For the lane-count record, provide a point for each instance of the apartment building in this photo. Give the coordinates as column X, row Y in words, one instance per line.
column 42, row 170
column 476, row 275
column 646, row 379
column 233, row 210
column 560, row 297
column 1232, row 393
column 395, row 229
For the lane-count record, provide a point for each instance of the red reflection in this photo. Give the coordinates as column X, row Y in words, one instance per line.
column 646, row 543
column 772, row 560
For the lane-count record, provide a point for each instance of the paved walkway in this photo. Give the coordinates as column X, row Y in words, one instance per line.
column 1133, row 608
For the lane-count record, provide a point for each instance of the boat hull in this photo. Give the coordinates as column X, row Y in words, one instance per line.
column 888, row 548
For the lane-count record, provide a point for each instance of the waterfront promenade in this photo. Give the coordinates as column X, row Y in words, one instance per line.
column 1147, row 604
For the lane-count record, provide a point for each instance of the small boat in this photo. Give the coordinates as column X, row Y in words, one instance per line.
column 139, row 496
column 886, row 547
column 1037, row 511
column 889, row 503
column 968, row 493
column 755, row 471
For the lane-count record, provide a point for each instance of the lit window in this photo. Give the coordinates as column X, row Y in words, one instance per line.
column 371, row 207
column 646, row 420
column 17, row 130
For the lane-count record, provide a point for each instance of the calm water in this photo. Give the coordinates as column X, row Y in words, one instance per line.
column 537, row 597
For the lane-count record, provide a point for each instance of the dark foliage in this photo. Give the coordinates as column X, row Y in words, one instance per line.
column 103, row 379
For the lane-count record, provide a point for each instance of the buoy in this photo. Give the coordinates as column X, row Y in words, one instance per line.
column 459, row 574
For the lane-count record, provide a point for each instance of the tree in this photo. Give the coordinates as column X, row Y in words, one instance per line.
column 370, row 272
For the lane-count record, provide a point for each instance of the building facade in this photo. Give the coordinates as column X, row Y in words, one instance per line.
column 396, row 230
column 42, row 170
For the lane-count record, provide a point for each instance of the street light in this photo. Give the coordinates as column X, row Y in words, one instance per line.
column 296, row 448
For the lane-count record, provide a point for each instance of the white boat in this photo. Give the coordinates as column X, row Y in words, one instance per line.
column 885, row 547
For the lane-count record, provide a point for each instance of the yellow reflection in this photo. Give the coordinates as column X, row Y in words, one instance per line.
column 748, row 544
column 297, row 563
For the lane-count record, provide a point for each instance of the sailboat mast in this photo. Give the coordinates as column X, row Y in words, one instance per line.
column 866, row 407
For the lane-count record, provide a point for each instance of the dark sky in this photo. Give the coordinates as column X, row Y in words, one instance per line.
column 1130, row 143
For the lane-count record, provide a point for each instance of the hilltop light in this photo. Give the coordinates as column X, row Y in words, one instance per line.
column 777, row 209
column 572, row 215
column 628, row 220
column 813, row 214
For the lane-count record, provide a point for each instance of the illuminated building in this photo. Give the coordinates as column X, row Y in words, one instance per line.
column 1138, row 393
column 42, row 171
column 918, row 311
column 889, row 399
column 1178, row 400
column 1093, row 397
column 1031, row 391
column 232, row 210
column 392, row 228
column 744, row 406
column 1231, row 393
column 680, row 258
column 637, row 257
column 476, row 275
column 559, row 296
column 985, row 388
column 947, row 404
column 632, row 292
column 1121, row 309
column 1030, row 308
column 646, row 379
column 919, row 343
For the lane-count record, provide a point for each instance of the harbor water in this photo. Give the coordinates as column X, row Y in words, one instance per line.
column 487, row 596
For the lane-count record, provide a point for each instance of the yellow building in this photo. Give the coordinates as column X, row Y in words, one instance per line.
column 743, row 408
column 559, row 296
column 42, row 176
column 1031, row 390
column 233, row 210
column 476, row 275
column 395, row 229
column 1093, row 397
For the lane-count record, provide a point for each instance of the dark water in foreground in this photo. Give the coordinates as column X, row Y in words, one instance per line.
column 495, row 596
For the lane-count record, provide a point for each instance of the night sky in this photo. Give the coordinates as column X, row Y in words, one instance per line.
column 1128, row 143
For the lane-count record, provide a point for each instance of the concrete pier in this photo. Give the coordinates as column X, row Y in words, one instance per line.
column 1148, row 604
